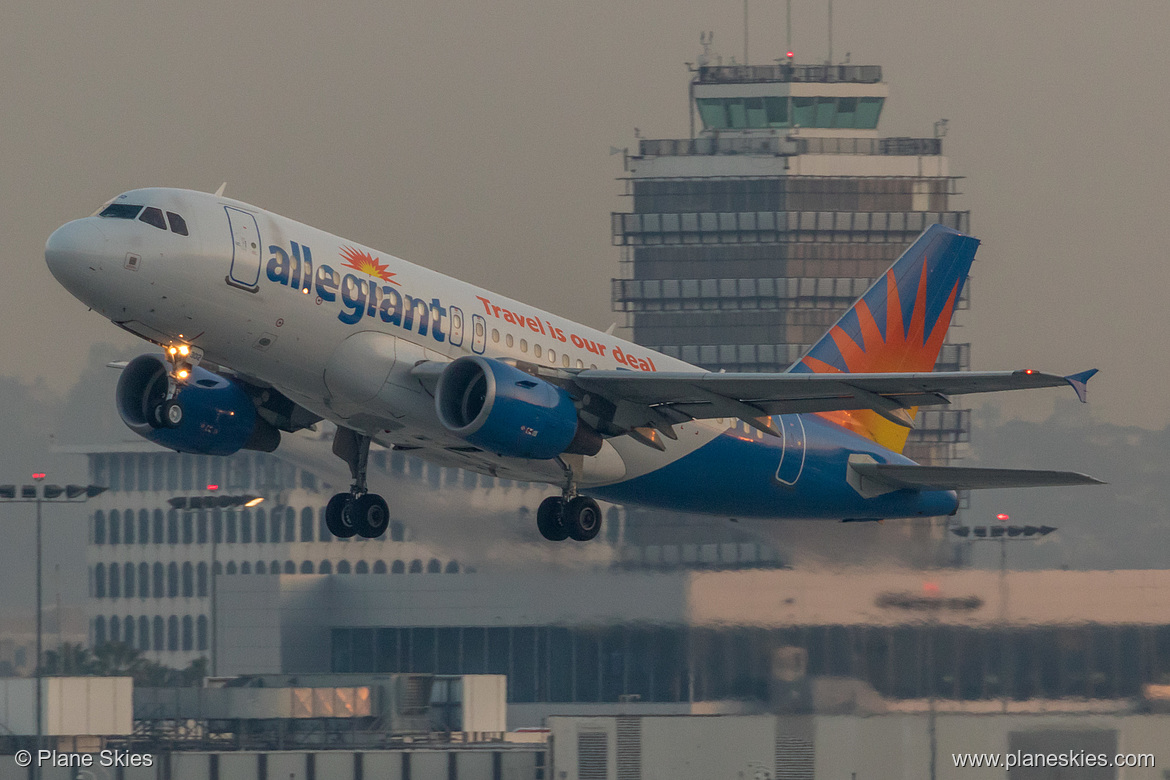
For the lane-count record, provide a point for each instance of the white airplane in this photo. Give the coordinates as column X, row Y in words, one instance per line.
column 268, row 325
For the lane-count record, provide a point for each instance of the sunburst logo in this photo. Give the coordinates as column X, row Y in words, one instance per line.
column 366, row 264
column 899, row 349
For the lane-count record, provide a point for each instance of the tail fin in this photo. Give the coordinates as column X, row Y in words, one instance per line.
column 899, row 324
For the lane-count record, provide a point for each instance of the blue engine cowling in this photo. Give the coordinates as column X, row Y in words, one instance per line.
column 501, row 409
column 218, row 416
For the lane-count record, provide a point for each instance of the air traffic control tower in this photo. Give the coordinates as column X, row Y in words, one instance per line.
column 748, row 239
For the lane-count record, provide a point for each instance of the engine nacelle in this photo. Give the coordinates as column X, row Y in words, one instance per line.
column 218, row 416
column 501, row 409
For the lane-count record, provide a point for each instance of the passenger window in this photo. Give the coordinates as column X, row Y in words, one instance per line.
column 523, row 345
column 495, row 336
column 178, row 224
column 580, row 363
column 120, row 211
column 509, row 340
column 565, row 360
column 153, row 216
column 536, row 350
column 552, row 356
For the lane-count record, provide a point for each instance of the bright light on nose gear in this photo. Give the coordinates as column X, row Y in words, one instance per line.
column 172, row 350
column 184, row 373
column 184, row 350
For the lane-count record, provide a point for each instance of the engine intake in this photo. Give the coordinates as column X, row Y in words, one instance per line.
column 501, row 409
column 218, row 416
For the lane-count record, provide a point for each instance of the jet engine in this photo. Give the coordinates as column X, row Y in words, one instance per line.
column 501, row 409
column 218, row 416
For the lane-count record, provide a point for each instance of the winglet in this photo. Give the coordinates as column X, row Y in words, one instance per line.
column 219, row 192
column 1079, row 383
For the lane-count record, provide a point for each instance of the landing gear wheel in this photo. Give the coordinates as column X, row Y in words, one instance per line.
column 369, row 515
column 582, row 518
column 337, row 519
column 550, row 519
column 172, row 413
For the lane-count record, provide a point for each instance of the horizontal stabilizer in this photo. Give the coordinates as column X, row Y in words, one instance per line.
column 914, row 477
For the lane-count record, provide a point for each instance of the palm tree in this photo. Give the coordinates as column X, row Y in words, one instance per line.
column 71, row 660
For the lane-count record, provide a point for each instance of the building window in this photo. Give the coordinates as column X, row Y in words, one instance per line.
column 246, row 526
column 188, row 580
column 144, row 580
column 379, row 567
column 144, row 633
column 115, row 582
column 452, row 567
column 343, row 567
column 361, row 567
column 115, row 472
column 188, row 528
column 398, row 567
column 157, row 576
column 306, row 525
column 201, row 633
column 433, row 566
column 217, row 526
column 172, row 633
column 172, row 580
column 128, row 631
column 231, row 567
column 290, row 524
column 325, row 568
column 306, row 567
column 416, row 566
column 143, row 526
column 323, row 532
column 274, row 527
column 157, row 524
column 172, row 527
column 129, row 472
column 290, row 567
column 261, row 568
column 128, row 528
column 157, row 469
column 128, row 580
column 99, row 527
column 232, row 529
column 186, row 472
column 201, row 580
column 201, row 527
column 99, row 581
column 188, row 633
column 115, row 526
column 261, row 526
column 245, row 568
column 99, row 630
column 274, row 568
column 115, row 629
column 157, row 633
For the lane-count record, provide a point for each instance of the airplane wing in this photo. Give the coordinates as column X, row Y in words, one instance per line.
column 662, row 399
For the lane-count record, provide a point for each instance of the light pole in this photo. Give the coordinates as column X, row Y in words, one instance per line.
column 37, row 494
column 1003, row 534
column 215, row 501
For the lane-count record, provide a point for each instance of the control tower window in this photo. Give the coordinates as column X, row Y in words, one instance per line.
column 153, row 216
column 120, row 211
column 178, row 224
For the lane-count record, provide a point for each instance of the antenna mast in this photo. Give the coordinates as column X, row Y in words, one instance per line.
column 745, row 32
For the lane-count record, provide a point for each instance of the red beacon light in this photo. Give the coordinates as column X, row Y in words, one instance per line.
column 39, row 475
column 213, row 487
column 1002, row 517
column 790, row 55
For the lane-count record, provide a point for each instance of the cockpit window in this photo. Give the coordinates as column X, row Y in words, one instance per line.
column 120, row 211
column 153, row 216
column 178, row 224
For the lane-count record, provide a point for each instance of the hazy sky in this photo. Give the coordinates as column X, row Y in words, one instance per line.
column 474, row 138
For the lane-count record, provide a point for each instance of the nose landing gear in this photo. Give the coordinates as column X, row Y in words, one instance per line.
column 358, row 512
column 182, row 359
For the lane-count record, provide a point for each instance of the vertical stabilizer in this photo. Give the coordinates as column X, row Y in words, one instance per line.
column 899, row 324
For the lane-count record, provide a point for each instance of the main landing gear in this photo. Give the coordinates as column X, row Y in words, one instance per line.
column 570, row 516
column 358, row 512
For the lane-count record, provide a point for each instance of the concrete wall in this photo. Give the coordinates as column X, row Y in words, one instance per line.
column 100, row 706
column 469, row 764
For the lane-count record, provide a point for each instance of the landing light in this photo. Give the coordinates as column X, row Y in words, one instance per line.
column 172, row 351
column 184, row 350
column 305, row 291
column 254, row 501
column 183, row 374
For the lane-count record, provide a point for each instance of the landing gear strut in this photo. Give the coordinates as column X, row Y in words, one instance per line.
column 570, row 516
column 358, row 512
column 181, row 360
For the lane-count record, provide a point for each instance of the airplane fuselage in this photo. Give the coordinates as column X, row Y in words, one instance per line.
column 289, row 305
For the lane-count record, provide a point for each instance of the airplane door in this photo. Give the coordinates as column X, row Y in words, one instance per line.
column 478, row 334
column 792, row 459
column 455, row 337
column 245, row 235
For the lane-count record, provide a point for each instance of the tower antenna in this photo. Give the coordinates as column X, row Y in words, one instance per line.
column 745, row 32
column 788, row 23
column 830, row 60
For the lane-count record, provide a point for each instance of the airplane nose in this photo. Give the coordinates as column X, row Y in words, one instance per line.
column 72, row 249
